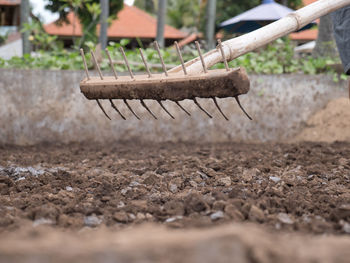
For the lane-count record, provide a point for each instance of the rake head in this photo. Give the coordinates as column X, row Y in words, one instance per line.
column 221, row 83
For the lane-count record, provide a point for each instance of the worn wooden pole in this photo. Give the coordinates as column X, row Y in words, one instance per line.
column 239, row 46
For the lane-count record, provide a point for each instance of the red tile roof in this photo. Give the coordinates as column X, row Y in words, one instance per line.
column 306, row 35
column 10, row 2
column 131, row 23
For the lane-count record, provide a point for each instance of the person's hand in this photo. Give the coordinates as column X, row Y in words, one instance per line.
column 349, row 88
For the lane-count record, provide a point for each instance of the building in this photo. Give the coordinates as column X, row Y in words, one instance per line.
column 131, row 23
column 306, row 35
column 9, row 16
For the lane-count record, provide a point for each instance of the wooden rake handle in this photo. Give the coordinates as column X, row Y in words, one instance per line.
column 239, row 46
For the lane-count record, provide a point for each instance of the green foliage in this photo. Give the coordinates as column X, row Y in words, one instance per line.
column 276, row 58
column 87, row 11
column 3, row 39
column 148, row 5
column 39, row 39
column 183, row 13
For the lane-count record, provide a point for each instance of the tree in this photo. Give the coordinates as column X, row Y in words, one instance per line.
column 325, row 43
column 147, row 5
column 87, row 11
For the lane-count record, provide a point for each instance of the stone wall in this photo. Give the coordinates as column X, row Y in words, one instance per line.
column 47, row 106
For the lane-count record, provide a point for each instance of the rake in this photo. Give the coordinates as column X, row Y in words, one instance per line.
column 196, row 80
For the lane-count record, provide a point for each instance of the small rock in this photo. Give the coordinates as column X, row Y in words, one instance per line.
column 285, row 219
column 134, row 183
column 275, row 179
column 140, row 216
column 225, row 181
column 69, row 188
column 120, row 204
column 172, row 219
column 121, row 217
column 92, row 221
column 125, row 190
column 149, row 216
column 173, row 188
column 217, row 215
column 250, row 174
column 203, row 175
column 20, row 179
column 256, row 214
column 345, row 226
column 132, row 217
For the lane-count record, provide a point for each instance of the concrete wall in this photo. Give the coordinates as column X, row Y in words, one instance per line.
column 40, row 105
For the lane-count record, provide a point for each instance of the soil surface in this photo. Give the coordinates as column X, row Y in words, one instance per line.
column 299, row 188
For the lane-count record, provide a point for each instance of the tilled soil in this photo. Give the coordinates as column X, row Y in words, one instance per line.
column 302, row 187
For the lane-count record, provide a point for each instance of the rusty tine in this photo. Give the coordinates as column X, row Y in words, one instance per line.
column 100, row 73
column 103, row 110
column 161, row 58
column 145, row 62
column 111, row 63
column 178, row 104
column 127, row 63
column 96, row 64
column 165, row 109
column 145, row 106
column 117, row 110
column 129, row 107
column 85, row 65
column 180, row 57
column 199, row 106
column 239, row 104
column 223, row 55
column 201, row 57
column 217, row 106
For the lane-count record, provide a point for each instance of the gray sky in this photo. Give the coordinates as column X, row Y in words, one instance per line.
column 38, row 9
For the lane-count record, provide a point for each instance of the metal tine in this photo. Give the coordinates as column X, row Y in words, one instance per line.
column 165, row 109
column 96, row 64
column 201, row 57
column 199, row 106
column 180, row 57
column 178, row 104
column 217, row 106
column 127, row 63
column 161, row 58
column 239, row 104
column 145, row 62
column 223, row 55
column 145, row 106
column 111, row 63
column 85, row 65
column 103, row 110
column 129, row 107
column 100, row 73
column 117, row 110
